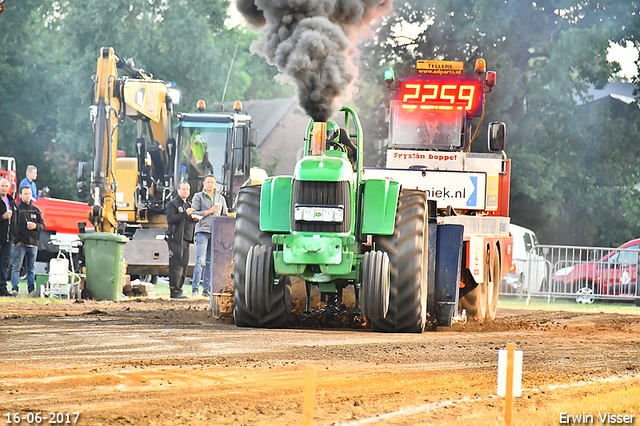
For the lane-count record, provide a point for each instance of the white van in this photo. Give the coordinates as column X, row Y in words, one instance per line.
column 528, row 272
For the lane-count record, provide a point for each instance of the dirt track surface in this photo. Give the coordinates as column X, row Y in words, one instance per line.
column 162, row 362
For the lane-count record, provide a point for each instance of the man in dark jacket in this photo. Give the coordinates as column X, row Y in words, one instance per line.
column 180, row 234
column 27, row 225
column 7, row 209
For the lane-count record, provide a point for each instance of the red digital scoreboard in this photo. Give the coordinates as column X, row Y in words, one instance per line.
column 442, row 93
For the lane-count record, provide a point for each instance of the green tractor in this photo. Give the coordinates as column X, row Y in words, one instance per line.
column 333, row 228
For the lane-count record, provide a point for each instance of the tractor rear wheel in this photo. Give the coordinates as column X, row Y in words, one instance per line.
column 408, row 254
column 375, row 285
column 247, row 235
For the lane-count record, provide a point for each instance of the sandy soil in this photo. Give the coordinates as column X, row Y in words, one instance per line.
column 162, row 362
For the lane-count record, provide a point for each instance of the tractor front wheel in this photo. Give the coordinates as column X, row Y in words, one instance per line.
column 259, row 279
column 375, row 285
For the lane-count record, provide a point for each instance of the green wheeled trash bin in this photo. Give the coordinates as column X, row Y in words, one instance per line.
column 104, row 260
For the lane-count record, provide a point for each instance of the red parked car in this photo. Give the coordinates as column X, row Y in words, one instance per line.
column 611, row 275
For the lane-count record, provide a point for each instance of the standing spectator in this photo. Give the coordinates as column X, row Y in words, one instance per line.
column 30, row 181
column 206, row 204
column 27, row 225
column 180, row 232
column 7, row 209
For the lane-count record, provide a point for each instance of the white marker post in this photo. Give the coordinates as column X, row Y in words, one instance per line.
column 509, row 377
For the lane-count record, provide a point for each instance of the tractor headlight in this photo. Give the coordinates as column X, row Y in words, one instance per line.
column 318, row 214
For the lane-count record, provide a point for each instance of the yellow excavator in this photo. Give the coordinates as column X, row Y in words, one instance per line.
column 129, row 194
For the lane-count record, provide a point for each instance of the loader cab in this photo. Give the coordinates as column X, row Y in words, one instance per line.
column 214, row 143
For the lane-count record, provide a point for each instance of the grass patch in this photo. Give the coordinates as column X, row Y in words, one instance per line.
column 541, row 304
column 161, row 289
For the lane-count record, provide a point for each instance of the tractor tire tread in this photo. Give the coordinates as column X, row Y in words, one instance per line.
column 407, row 253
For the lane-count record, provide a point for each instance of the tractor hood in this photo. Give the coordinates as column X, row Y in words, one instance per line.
column 326, row 168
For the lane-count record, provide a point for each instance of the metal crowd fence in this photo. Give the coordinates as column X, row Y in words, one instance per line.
column 584, row 274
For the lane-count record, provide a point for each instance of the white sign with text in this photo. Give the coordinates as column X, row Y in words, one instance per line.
column 432, row 160
column 459, row 190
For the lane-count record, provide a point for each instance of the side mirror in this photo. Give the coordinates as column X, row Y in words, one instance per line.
column 497, row 134
column 82, row 171
column 253, row 138
column 82, row 190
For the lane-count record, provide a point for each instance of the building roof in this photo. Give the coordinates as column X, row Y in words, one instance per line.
column 619, row 91
column 266, row 114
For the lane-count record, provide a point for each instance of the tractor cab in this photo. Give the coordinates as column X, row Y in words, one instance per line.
column 216, row 143
column 413, row 127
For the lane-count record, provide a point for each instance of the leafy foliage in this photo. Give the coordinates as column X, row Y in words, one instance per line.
column 27, row 124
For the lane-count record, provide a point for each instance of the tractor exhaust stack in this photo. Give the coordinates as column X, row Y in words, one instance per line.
column 319, row 142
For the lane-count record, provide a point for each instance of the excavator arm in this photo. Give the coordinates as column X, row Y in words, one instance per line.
column 105, row 143
column 144, row 100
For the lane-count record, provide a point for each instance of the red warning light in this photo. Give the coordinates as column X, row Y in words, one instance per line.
column 491, row 79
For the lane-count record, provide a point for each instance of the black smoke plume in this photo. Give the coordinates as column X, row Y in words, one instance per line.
column 312, row 41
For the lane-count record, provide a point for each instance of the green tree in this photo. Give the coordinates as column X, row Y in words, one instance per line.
column 546, row 54
column 27, row 121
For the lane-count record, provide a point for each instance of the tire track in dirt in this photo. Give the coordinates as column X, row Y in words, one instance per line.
column 158, row 362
